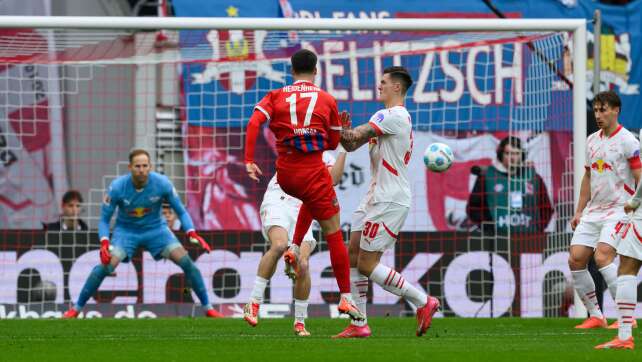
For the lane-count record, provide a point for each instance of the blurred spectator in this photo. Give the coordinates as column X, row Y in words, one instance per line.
column 69, row 220
column 170, row 216
column 509, row 193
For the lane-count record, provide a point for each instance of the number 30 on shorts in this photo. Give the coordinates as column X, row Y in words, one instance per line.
column 370, row 229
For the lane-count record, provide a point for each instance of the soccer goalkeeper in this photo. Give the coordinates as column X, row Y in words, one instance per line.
column 139, row 196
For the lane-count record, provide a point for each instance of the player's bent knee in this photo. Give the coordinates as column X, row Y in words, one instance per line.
column 603, row 259
column 103, row 269
column 279, row 247
column 578, row 260
column 175, row 252
column 577, row 264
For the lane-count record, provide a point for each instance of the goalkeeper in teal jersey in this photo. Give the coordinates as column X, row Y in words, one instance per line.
column 139, row 223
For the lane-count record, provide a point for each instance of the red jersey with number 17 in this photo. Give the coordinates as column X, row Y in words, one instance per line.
column 304, row 118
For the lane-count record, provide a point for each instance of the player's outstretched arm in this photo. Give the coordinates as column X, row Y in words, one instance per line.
column 106, row 212
column 252, row 132
column 585, row 197
column 634, row 202
column 351, row 139
column 336, row 171
column 186, row 221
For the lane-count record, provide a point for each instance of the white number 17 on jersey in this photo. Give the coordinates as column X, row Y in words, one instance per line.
column 308, row 113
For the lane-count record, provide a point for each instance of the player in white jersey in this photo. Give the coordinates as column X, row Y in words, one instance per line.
column 382, row 212
column 612, row 171
column 630, row 251
column 279, row 212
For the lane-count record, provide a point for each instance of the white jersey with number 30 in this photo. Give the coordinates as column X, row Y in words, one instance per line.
column 389, row 156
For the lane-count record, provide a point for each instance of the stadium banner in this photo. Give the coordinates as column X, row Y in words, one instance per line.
column 220, row 196
column 621, row 66
column 32, row 162
column 447, row 265
column 219, row 96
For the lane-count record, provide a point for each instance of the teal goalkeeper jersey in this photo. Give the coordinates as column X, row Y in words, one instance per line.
column 140, row 210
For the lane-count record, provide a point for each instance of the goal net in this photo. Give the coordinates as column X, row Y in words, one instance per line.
column 488, row 237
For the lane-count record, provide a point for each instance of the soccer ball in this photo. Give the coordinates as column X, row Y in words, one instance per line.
column 438, row 157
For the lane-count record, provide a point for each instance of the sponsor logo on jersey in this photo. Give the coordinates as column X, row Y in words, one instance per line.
column 305, row 131
column 154, row 198
column 600, row 166
column 139, row 211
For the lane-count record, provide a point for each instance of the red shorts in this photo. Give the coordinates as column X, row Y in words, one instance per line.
column 313, row 186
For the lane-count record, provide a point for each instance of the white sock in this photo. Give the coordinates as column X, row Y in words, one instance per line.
column 359, row 288
column 609, row 273
column 396, row 284
column 300, row 310
column 583, row 283
column 626, row 300
column 259, row 289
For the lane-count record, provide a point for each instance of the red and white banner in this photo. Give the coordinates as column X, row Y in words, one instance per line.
column 32, row 163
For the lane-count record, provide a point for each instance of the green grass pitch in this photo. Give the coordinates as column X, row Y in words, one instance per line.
column 393, row 340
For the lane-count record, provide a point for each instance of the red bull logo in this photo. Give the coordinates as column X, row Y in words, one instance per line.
column 601, row 166
column 139, row 211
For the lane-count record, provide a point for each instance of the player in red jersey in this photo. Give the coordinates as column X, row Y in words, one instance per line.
column 306, row 121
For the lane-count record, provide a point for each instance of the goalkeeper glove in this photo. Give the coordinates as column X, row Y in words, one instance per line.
column 105, row 255
column 194, row 238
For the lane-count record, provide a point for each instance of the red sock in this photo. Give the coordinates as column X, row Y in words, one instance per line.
column 339, row 260
column 303, row 222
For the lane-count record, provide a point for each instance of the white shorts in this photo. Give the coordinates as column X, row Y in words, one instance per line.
column 379, row 225
column 281, row 212
column 589, row 233
column 359, row 216
column 631, row 243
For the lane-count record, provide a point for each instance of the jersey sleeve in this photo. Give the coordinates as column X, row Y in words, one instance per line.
column 171, row 195
column 631, row 148
column 385, row 122
column 334, row 126
column 266, row 106
column 110, row 201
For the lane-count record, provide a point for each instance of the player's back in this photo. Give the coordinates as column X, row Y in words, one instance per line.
column 301, row 116
column 140, row 209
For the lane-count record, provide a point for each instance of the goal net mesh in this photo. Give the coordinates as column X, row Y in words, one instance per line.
column 488, row 237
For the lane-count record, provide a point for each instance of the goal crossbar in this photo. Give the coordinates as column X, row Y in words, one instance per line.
column 406, row 24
